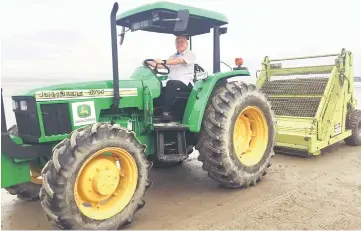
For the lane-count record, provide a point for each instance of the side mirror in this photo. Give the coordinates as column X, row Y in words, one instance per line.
column 223, row 30
column 182, row 20
column 122, row 35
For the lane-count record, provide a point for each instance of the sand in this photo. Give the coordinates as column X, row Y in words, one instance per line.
column 323, row 192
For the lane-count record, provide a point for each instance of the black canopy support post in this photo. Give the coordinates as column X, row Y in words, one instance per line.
column 190, row 42
column 113, row 27
column 216, row 50
column 3, row 119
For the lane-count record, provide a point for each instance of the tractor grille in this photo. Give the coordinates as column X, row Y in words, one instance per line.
column 27, row 120
column 56, row 119
column 298, row 107
column 309, row 86
column 282, row 96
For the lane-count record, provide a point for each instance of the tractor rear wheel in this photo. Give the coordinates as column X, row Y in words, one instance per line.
column 237, row 135
column 354, row 123
column 96, row 179
column 28, row 191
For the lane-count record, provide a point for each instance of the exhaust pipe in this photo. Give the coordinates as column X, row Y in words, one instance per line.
column 3, row 119
column 113, row 27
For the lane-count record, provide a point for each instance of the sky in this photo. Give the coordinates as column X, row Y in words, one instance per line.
column 46, row 39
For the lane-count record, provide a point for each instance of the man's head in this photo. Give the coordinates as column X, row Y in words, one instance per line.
column 181, row 43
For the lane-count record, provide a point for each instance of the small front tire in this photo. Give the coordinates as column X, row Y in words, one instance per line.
column 96, row 179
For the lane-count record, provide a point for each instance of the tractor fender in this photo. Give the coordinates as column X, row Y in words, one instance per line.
column 199, row 97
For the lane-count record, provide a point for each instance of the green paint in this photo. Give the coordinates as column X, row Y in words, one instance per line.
column 84, row 111
column 200, row 94
column 107, row 154
column 175, row 7
column 13, row 173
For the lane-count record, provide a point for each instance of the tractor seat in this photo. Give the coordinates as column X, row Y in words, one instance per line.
column 183, row 94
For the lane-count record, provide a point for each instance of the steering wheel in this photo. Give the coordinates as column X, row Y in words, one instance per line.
column 155, row 70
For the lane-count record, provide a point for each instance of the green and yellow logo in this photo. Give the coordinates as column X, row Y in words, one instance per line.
column 83, row 110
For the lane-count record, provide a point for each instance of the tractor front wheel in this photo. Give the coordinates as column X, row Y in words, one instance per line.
column 237, row 135
column 96, row 179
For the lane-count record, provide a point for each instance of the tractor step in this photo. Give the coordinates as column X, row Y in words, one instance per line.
column 169, row 126
column 171, row 141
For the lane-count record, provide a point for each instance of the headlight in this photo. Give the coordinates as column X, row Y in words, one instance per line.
column 23, row 105
column 15, row 105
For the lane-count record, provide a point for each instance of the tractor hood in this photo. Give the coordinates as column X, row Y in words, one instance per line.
column 101, row 93
column 142, row 77
column 83, row 89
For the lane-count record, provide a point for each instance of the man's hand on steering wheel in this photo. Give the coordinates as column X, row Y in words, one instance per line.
column 155, row 63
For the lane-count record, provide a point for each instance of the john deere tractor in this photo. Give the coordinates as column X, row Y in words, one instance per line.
column 85, row 149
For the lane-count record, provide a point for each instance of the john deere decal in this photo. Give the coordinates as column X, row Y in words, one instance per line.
column 83, row 110
column 83, row 113
column 47, row 95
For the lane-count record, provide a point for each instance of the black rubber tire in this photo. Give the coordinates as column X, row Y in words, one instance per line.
column 216, row 145
column 59, row 175
column 354, row 123
column 27, row 191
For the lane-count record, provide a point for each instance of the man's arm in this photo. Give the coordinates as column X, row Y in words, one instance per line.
column 188, row 58
column 174, row 61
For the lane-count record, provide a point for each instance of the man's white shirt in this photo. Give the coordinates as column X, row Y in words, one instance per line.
column 185, row 71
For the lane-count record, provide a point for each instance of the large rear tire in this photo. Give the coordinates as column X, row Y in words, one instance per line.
column 237, row 135
column 28, row 191
column 85, row 187
column 354, row 123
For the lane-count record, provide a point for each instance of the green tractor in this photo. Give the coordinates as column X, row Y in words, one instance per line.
column 85, row 149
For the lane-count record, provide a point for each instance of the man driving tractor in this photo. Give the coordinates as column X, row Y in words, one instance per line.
column 181, row 71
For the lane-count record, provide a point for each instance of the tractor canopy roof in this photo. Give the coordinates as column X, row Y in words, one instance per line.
column 200, row 20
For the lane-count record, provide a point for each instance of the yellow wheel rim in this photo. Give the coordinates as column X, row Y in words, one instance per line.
column 35, row 175
column 106, row 183
column 250, row 136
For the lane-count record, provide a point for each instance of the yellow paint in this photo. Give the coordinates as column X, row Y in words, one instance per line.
column 106, row 184
column 250, row 136
column 35, row 175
